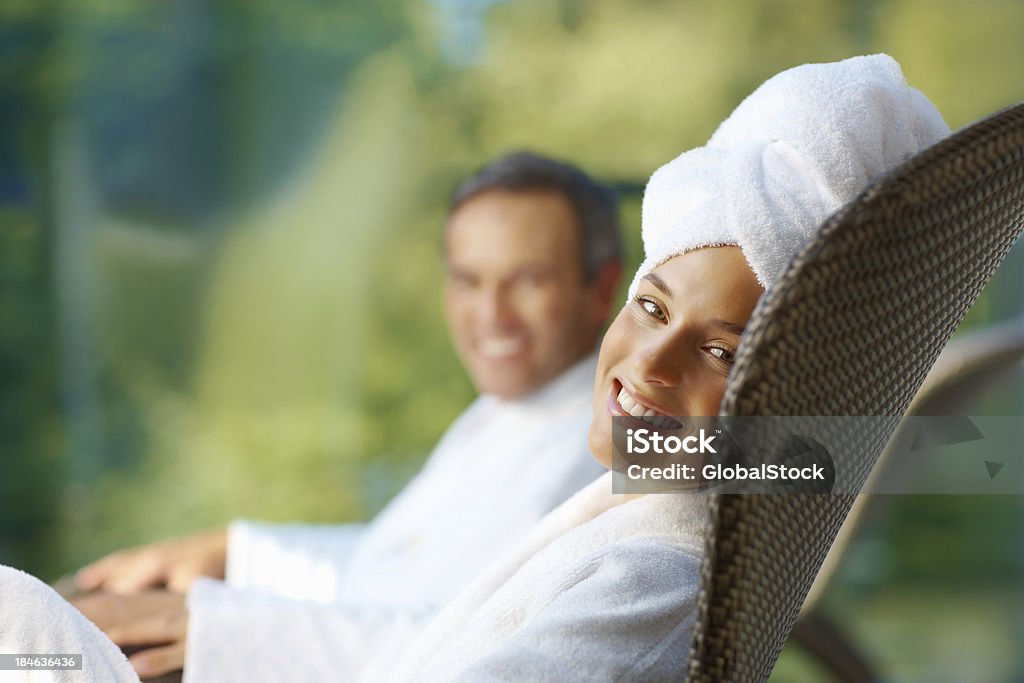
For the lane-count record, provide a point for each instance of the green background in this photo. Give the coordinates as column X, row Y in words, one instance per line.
column 219, row 255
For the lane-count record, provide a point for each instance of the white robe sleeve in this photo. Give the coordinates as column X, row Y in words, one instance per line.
column 37, row 621
column 246, row 637
column 623, row 615
column 298, row 561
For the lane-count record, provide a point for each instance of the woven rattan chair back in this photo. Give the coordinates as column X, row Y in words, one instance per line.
column 851, row 327
column 969, row 366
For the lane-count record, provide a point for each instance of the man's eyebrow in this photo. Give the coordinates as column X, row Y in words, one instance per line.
column 453, row 268
column 543, row 269
column 655, row 280
column 729, row 327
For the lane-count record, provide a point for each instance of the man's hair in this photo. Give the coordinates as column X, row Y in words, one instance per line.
column 595, row 205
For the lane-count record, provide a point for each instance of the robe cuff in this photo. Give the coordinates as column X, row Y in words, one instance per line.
column 297, row 561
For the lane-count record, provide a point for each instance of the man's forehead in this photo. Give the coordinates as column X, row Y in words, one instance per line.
column 505, row 267
column 508, row 206
column 513, row 227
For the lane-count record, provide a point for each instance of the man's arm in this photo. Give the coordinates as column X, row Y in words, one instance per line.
column 293, row 560
column 172, row 564
column 237, row 636
column 152, row 624
column 298, row 561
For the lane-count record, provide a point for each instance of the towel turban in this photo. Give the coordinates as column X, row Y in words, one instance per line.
column 802, row 145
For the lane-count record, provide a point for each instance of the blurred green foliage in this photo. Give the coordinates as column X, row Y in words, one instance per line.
column 220, row 231
column 30, row 426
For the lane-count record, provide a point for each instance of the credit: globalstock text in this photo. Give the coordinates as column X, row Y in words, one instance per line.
column 645, row 441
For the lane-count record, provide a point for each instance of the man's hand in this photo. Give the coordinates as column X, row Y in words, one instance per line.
column 173, row 564
column 154, row 620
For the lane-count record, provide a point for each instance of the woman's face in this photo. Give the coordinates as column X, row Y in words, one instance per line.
column 670, row 349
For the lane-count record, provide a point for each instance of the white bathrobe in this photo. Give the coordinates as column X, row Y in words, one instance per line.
column 603, row 590
column 323, row 603
column 34, row 620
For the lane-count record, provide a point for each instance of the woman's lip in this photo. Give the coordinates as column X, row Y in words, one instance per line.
column 615, row 410
column 618, row 384
column 613, row 401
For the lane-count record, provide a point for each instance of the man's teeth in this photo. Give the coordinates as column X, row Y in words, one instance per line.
column 637, row 410
column 500, row 347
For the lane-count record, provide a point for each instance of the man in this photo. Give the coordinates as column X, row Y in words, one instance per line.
column 533, row 256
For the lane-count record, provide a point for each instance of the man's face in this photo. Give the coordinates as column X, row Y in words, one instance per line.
column 518, row 308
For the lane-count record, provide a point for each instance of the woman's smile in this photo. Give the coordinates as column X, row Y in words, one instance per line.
column 625, row 403
column 668, row 353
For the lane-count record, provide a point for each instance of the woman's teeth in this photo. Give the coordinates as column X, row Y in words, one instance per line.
column 638, row 411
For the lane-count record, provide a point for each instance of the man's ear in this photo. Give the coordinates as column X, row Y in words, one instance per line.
column 605, row 286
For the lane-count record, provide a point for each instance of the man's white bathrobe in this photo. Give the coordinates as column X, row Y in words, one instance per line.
column 603, row 590
column 326, row 603
column 34, row 620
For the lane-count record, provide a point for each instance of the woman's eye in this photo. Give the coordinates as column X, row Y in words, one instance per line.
column 722, row 354
column 652, row 308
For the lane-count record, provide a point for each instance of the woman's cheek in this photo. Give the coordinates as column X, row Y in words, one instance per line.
column 712, row 396
column 599, row 437
column 616, row 339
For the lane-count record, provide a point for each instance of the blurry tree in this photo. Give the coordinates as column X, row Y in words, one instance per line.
column 31, row 429
column 31, row 432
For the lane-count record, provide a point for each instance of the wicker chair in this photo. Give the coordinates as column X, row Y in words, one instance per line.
column 851, row 327
column 968, row 367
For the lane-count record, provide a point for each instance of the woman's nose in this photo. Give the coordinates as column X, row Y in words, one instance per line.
column 661, row 363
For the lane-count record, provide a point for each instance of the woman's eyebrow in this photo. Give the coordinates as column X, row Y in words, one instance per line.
column 729, row 327
column 659, row 283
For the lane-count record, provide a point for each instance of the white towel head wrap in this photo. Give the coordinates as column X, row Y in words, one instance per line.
column 802, row 145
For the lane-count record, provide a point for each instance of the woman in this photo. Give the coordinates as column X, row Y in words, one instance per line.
column 605, row 587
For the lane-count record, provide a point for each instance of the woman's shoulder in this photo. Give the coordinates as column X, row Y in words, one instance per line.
column 646, row 543
column 661, row 523
column 637, row 567
column 636, row 562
